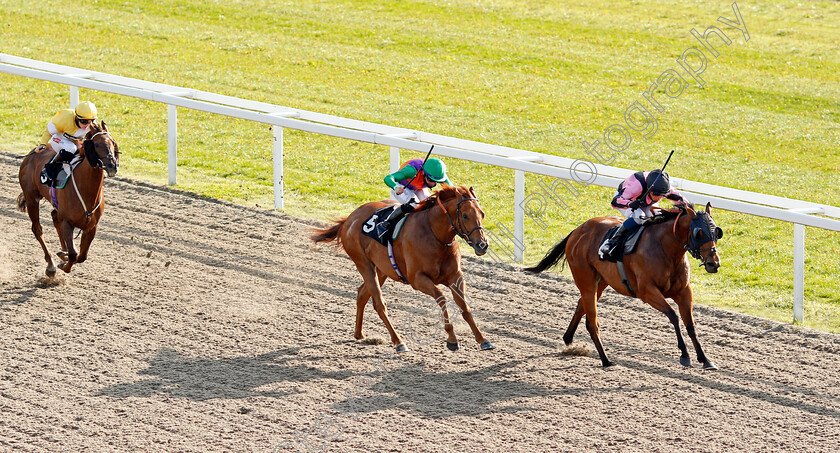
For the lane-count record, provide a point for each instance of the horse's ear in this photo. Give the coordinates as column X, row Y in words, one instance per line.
column 104, row 127
column 472, row 192
column 709, row 207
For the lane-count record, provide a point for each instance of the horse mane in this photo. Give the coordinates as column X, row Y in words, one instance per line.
column 94, row 128
column 664, row 215
column 445, row 194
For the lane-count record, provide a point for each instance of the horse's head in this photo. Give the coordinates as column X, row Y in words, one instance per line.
column 703, row 235
column 468, row 216
column 101, row 149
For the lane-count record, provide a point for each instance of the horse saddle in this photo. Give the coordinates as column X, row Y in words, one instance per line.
column 63, row 174
column 625, row 247
column 376, row 228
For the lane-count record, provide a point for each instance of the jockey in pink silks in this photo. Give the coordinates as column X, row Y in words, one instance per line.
column 654, row 185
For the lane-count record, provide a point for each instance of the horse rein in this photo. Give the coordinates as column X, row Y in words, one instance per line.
column 693, row 249
column 100, row 165
column 458, row 232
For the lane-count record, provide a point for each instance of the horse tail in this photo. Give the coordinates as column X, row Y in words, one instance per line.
column 21, row 202
column 557, row 253
column 329, row 234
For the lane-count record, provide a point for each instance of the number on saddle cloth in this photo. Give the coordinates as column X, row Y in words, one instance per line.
column 627, row 245
column 375, row 227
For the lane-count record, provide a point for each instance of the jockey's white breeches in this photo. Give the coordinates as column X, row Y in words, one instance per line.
column 408, row 194
column 59, row 142
column 638, row 215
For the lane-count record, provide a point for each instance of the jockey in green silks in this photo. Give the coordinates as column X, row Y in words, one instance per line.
column 411, row 183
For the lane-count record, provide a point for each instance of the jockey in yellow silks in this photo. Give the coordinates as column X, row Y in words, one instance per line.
column 66, row 128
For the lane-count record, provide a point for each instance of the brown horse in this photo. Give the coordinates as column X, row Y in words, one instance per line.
column 426, row 252
column 79, row 204
column 658, row 269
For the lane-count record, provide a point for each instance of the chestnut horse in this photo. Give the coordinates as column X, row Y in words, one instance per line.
column 79, row 204
column 658, row 269
column 426, row 252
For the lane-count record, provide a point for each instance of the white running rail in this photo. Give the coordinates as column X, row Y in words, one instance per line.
column 800, row 213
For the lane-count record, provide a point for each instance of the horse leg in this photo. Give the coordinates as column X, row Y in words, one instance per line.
column 34, row 215
column 362, row 297
column 66, row 235
column 685, row 301
column 368, row 271
column 588, row 282
column 595, row 331
column 654, row 298
column 573, row 325
column 424, row 284
column 458, row 293
column 84, row 245
column 57, row 224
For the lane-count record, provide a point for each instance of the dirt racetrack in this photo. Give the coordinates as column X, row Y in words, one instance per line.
column 198, row 325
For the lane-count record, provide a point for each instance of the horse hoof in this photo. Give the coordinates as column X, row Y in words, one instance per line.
column 486, row 346
column 51, row 271
column 402, row 347
column 709, row 366
column 63, row 255
column 452, row 346
column 685, row 361
column 608, row 364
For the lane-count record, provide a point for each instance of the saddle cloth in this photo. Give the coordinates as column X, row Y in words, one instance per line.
column 63, row 174
column 627, row 245
column 372, row 230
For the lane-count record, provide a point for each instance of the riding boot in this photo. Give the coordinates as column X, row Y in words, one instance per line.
column 616, row 238
column 51, row 168
column 394, row 217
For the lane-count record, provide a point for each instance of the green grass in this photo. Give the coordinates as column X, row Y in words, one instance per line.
column 542, row 77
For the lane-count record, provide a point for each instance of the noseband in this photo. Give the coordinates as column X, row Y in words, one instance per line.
column 459, row 230
column 693, row 246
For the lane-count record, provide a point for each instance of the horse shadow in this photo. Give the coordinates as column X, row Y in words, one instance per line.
column 411, row 387
column 176, row 375
column 471, row 392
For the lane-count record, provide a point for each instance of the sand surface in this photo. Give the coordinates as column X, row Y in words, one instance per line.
column 198, row 325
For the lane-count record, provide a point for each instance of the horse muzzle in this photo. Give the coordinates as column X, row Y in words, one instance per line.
column 711, row 266
column 480, row 247
column 111, row 168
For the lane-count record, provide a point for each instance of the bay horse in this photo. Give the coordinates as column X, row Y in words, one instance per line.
column 79, row 204
column 657, row 270
column 426, row 251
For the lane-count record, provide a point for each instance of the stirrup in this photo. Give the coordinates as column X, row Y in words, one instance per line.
column 606, row 249
column 382, row 228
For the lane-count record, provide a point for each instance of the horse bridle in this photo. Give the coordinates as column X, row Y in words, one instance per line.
column 99, row 164
column 693, row 246
column 99, row 160
column 459, row 230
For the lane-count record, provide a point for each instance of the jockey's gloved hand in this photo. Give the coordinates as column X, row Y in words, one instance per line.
column 409, row 206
